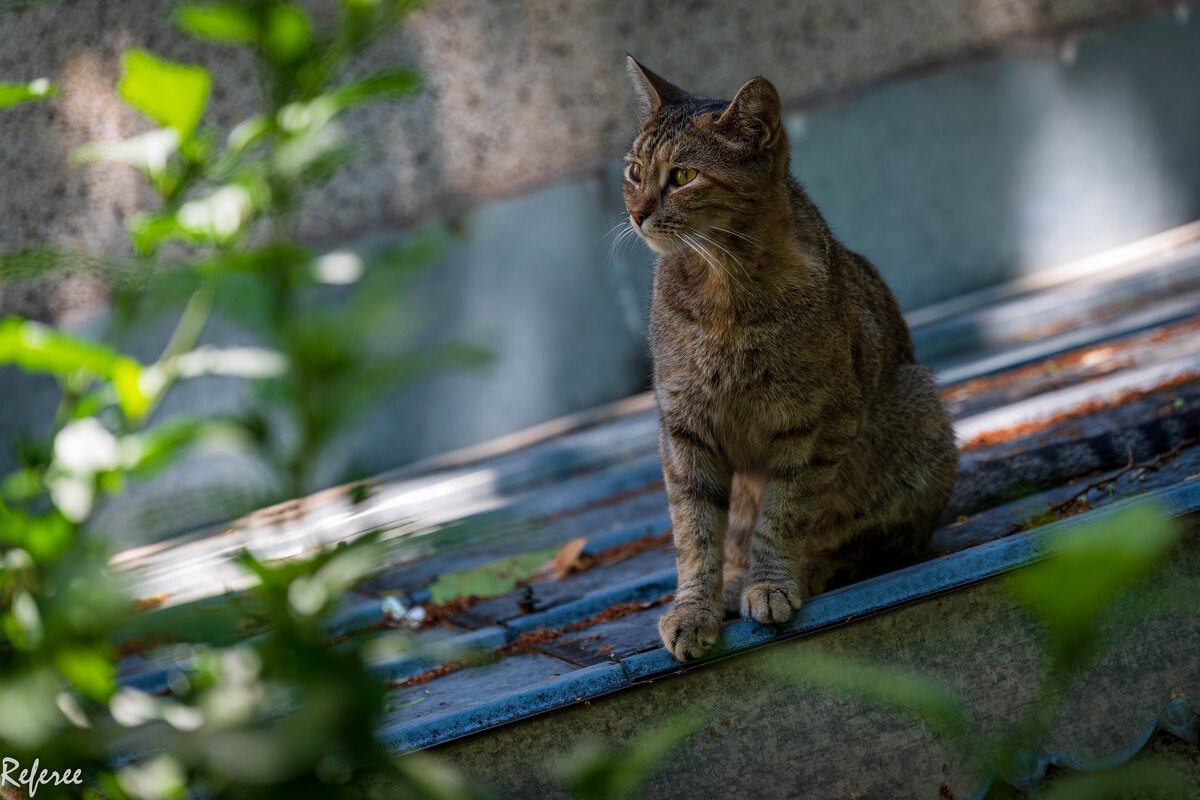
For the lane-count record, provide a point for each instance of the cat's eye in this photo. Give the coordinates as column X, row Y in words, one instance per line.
column 682, row 175
column 634, row 173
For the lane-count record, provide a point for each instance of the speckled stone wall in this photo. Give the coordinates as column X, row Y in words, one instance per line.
column 519, row 92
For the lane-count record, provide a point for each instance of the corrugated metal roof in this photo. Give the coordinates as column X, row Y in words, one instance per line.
column 1068, row 400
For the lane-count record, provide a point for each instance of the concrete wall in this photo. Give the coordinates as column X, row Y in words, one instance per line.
column 519, row 92
column 962, row 179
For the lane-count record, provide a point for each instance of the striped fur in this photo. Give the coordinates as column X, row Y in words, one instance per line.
column 799, row 438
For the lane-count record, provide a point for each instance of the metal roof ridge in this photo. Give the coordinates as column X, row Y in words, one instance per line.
column 1089, row 335
column 1048, row 404
column 1111, row 264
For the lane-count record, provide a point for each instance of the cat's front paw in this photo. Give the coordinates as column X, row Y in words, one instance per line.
column 688, row 630
column 771, row 602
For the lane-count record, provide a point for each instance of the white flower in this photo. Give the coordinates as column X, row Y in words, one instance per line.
column 71, row 710
column 181, row 717
column 85, row 447
column 220, row 214
column 306, row 596
column 148, row 150
column 131, row 708
column 160, row 777
column 340, row 267
column 242, row 362
column 71, row 495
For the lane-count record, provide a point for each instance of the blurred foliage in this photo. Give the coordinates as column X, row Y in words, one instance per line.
column 1144, row 779
column 13, row 93
column 260, row 702
column 595, row 771
column 1094, row 583
column 282, row 713
column 1069, row 593
column 231, row 209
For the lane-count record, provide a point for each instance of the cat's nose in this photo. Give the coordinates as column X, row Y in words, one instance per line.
column 639, row 216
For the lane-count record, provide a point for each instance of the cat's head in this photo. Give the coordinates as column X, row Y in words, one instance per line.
column 698, row 163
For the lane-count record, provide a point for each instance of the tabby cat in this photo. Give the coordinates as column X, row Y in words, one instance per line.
column 800, row 440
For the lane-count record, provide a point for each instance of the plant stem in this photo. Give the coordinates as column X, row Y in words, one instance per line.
column 190, row 326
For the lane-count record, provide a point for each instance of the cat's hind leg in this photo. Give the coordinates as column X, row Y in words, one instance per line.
column 745, row 499
column 864, row 554
column 771, row 591
column 891, row 492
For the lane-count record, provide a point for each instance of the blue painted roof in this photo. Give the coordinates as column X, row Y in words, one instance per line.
column 1038, row 371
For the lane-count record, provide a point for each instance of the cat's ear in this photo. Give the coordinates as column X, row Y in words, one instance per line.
column 652, row 90
column 753, row 118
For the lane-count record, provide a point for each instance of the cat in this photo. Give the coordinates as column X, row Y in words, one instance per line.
column 800, row 440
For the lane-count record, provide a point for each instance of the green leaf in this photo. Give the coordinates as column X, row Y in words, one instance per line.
column 246, row 134
column 595, row 772
column 313, row 149
column 164, row 444
column 215, row 622
column 125, row 380
column 174, row 95
column 1090, row 567
column 229, row 23
column 40, row 348
column 22, row 485
column 1149, row 778
column 288, row 35
column 498, row 577
column 48, row 536
column 421, row 249
column 89, row 670
column 395, row 83
column 214, row 218
column 431, row 778
column 94, row 402
column 312, row 595
column 13, row 93
column 899, row 690
column 349, row 563
column 148, row 230
column 247, row 299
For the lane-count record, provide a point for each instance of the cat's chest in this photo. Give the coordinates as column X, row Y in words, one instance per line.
column 725, row 364
column 731, row 373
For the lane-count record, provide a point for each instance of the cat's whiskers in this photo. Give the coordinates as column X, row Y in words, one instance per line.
column 734, row 233
column 699, row 250
column 712, row 259
column 726, row 250
column 620, row 222
column 626, row 235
